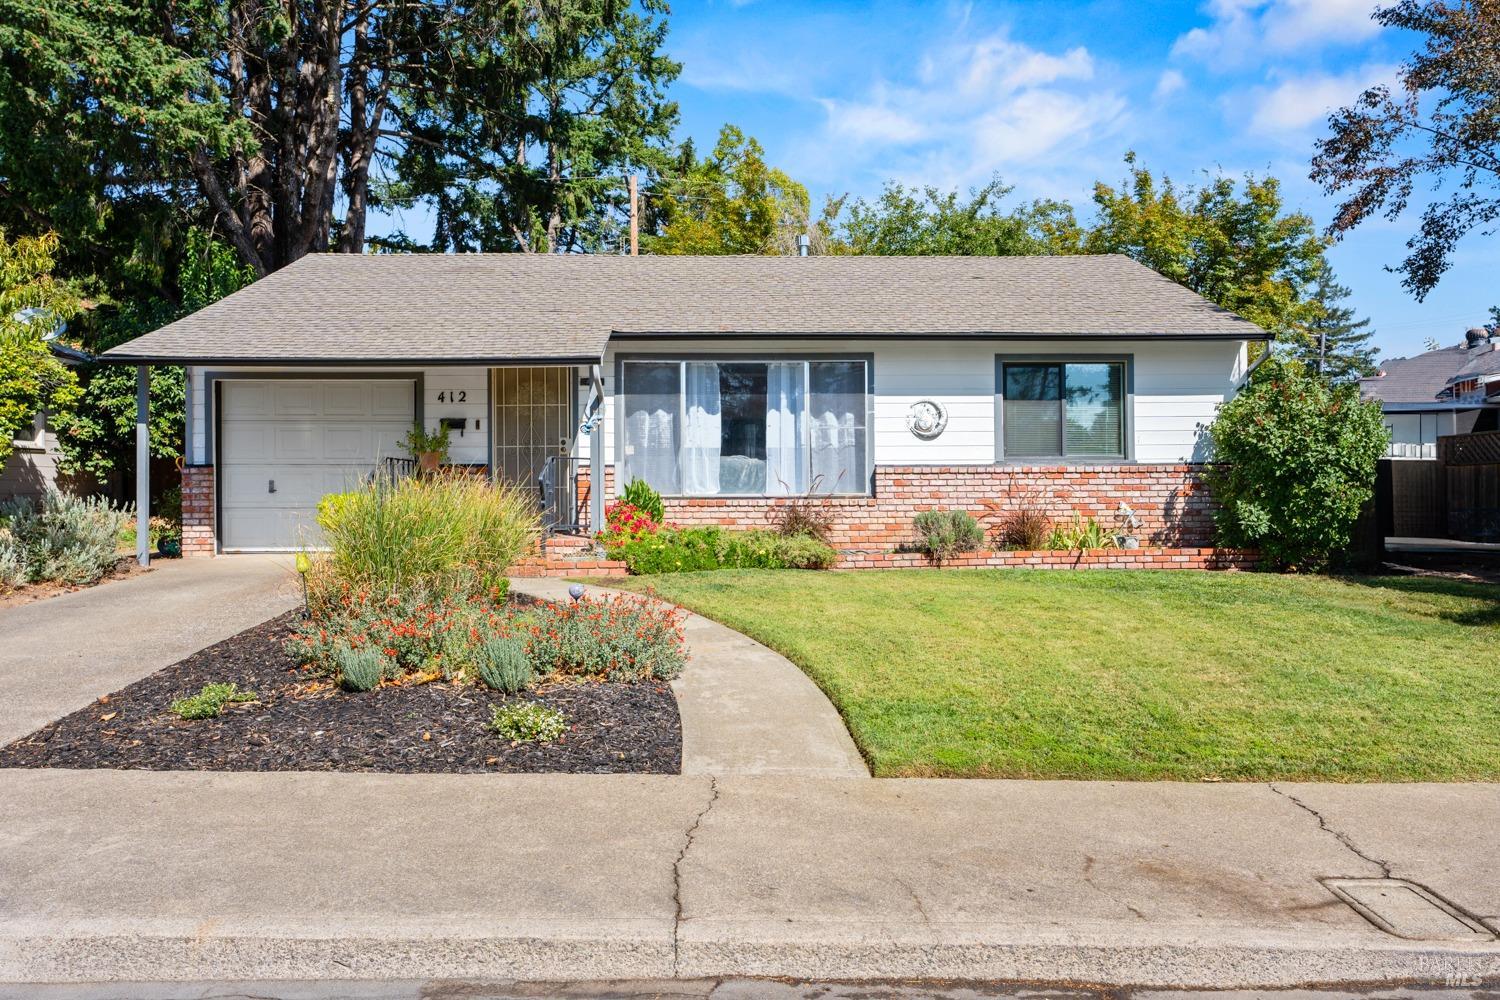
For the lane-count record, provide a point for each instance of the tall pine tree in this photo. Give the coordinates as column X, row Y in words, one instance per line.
column 1337, row 345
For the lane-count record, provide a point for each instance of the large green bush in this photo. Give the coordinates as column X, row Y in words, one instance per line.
column 688, row 550
column 451, row 531
column 66, row 539
column 1294, row 465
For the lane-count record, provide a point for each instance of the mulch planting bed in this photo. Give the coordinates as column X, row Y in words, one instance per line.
column 301, row 723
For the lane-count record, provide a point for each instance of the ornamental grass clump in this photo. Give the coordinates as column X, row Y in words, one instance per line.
column 620, row 638
column 450, row 531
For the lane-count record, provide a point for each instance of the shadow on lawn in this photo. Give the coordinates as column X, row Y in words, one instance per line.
column 1486, row 613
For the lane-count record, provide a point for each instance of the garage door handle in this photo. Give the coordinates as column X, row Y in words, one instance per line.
column 272, row 488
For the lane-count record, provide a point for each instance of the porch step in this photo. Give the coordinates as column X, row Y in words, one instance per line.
column 557, row 565
column 567, row 544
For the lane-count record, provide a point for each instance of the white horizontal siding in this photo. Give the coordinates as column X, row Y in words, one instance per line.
column 1178, row 387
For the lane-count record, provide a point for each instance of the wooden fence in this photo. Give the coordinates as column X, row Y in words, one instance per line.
column 1455, row 496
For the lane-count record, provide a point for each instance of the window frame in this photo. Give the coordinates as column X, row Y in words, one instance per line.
column 620, row 395
column 1127, row 408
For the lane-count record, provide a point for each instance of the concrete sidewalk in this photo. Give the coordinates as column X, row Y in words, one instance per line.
column 745, row 709
column 140, row 876
column 59, row 654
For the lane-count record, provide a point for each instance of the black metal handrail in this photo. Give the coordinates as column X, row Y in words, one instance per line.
column 400, row 468
column 563, row 511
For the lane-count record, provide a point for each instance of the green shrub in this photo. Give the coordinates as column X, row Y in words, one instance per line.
column 1080, row 536
column 451, row 531
column 13, row 571
column 942, row 534
column 688, row 550
column 1294, row 465
column 209, row 703
column 502, row 664
column 528, row 722
column 621, row 638
column 67, row 539
column 362, row 669
column 639, row 494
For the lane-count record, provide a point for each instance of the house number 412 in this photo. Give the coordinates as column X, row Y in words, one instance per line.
column 457, row 396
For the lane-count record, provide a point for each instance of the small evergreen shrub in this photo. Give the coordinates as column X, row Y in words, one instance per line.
column 67, row 539
column 209, row 703
column 502, row 665
column 1294, row 465
column 528, row 722
column 942, row 534
column 806, row 552
column 361, row 669
column 639, row 494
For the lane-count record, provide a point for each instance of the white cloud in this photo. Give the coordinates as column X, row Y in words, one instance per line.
column 978, row 106
column 1169, row 83
column 1246, row 30
column 1298, row 102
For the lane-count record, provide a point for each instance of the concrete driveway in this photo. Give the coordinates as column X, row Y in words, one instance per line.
column 57, row 655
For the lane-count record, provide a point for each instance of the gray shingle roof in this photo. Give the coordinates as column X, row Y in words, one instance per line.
column 518, row 307
column 1480, row 363
column 1414, row 380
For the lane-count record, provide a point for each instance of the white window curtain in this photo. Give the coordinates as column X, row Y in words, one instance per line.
column 650, row 425
column 786, row 442
column 702, row 430
column 837, row 416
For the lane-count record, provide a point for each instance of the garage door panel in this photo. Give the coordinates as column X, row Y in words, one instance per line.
column 309, row 437
column 298, row 399
column 351, row 399
column 391, row 399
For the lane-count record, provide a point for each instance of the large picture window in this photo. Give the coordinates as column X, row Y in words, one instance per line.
column 1063, row 409
column 746, row 428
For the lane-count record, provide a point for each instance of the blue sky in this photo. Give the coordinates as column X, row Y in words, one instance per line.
column 1051, row 94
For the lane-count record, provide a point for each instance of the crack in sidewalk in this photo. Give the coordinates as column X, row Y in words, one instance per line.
column 687, row 844
column 1340, row 836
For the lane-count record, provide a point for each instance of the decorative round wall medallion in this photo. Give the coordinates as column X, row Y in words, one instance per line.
column 927, row 419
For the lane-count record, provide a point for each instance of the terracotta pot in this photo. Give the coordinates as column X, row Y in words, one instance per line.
column 429, row 461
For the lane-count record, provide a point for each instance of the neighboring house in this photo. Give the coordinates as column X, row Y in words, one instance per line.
column 32, row 467
column 1453, row 390
column 887, row 384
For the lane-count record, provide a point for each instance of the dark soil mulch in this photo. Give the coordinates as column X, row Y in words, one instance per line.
column 301, row 723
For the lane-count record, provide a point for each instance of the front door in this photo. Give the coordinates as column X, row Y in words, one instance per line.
column 533, row 422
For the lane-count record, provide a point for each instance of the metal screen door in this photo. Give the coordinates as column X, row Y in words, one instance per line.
column 533, row 421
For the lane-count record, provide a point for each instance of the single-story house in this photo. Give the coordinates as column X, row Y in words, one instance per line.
column 888, row 385
column 1451, row 390
column 33, row 466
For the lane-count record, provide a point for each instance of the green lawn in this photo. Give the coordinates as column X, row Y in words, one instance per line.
column 1136, row 675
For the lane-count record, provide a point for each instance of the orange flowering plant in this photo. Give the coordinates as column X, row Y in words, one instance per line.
column 621, row 638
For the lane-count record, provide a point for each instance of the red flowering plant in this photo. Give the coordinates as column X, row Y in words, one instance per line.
column 419, row 633
column 624, row 522
column 621, row 638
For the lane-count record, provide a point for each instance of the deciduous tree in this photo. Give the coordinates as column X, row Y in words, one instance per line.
column 926, row 221
column 1439, row 124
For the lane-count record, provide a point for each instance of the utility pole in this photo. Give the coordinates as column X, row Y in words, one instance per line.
column 635, row 215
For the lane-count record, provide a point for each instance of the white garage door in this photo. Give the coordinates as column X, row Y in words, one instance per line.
column 284, row 445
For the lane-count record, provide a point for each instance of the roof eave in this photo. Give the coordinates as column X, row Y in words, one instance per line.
column 345, row 362
column 1255, row 335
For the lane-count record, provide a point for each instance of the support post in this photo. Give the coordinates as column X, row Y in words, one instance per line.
column 596, row 455
column 143, row 465
column 633, row 183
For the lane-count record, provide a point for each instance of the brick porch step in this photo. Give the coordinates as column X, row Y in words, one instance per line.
column 533, row 566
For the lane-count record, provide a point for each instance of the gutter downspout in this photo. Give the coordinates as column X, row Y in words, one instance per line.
column 593, row 421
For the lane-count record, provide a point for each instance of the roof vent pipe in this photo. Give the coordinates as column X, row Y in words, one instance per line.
column 804, row 245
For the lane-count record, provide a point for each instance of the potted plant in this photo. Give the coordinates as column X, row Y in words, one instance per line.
column 429, row 449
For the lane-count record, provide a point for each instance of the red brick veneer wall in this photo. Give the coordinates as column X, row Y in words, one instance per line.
column 198, row 510
column 1171, row 502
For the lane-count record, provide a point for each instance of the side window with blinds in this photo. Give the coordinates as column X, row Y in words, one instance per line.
column 1062, row 409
